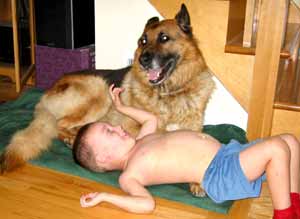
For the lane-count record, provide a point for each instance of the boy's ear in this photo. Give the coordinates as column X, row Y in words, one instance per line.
column 103, row 157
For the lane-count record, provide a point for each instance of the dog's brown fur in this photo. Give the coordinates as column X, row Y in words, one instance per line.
column 179, row 99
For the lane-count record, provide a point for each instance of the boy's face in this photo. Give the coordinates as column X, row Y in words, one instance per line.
column 103, row 136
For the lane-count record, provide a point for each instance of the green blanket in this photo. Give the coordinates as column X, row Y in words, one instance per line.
column 17, row 114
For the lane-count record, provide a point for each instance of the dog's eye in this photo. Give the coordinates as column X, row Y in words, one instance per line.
column 143, row 40
column 163, row 38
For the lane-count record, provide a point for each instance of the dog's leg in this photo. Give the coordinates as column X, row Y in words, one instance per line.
column 68, row 136
column 69, row 125
column 197, row 190
column 70, row 121
column 91, row 111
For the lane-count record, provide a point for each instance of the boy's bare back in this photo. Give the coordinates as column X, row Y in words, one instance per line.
column 168, row 158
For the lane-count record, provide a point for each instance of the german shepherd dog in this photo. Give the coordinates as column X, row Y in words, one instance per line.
column 168, row 77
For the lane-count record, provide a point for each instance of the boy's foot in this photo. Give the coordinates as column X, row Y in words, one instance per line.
column 287, row 213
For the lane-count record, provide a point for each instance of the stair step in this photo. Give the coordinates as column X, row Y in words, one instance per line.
column 235, row 43
column 287, row 106
column 288, row 82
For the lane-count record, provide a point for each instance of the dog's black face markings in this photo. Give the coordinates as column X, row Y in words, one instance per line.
column 168, row 62
column 158, row 66
column 183, row 20
column 143, row 40
column 163, row 38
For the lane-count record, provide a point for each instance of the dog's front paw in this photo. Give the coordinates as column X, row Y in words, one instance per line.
column 67, row 137
column 172, row 127
column 197, row 190
column 69, row 142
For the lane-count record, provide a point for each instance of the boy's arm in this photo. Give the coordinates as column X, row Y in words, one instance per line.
column 139, row 201
column 146, row 119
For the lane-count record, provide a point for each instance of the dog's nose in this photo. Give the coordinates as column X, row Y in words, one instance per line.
column 146, row 59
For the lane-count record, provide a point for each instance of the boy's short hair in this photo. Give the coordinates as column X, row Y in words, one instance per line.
column 82, row 153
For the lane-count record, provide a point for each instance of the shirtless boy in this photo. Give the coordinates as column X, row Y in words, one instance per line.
column 226, row 172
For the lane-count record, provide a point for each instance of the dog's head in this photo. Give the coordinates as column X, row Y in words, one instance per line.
column 165, row 45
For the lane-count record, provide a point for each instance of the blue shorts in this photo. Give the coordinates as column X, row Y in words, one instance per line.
column 224, row 178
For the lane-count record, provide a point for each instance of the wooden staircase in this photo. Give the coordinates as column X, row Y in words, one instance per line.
column 276, row 75
column 287, row 95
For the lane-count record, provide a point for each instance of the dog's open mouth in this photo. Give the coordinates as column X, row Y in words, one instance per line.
column 159, row 75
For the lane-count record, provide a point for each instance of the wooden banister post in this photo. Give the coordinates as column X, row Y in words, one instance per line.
column 270, row 35
column 16, row 46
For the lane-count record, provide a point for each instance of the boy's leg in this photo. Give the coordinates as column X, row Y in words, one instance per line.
column 273, row 156
column 294, row 146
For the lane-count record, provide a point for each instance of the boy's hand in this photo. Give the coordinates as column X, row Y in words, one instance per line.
column 138, row 200
column 91, row 199
column 115, row 95
column 147, row 120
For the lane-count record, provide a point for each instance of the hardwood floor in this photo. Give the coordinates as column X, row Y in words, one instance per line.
column 8, row 91
column 35, row 192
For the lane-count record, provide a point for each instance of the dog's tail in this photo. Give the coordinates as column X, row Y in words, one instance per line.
column 31, row 141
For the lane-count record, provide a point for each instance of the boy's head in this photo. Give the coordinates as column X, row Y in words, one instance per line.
column 100, row 146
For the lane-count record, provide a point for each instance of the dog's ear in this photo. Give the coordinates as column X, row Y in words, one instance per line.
column 183, row 20
column 152, row 21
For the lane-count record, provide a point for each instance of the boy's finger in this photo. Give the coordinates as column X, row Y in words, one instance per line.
column 83, row 202
column 116, row 92
column 89, row 200
column 111, row 88
column 120, row 89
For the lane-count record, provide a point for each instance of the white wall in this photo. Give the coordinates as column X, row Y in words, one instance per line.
column 119, row 24
column 297, row 2
column 223, row 108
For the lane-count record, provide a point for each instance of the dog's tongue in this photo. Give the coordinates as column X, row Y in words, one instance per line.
column 153, row 74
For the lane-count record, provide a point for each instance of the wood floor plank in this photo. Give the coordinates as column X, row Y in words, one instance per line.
column 35, row 192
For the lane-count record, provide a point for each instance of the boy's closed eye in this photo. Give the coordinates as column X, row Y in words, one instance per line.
column 109, row 131
column 106, row 129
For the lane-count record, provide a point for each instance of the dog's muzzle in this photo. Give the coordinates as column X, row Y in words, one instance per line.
column 158, row 68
